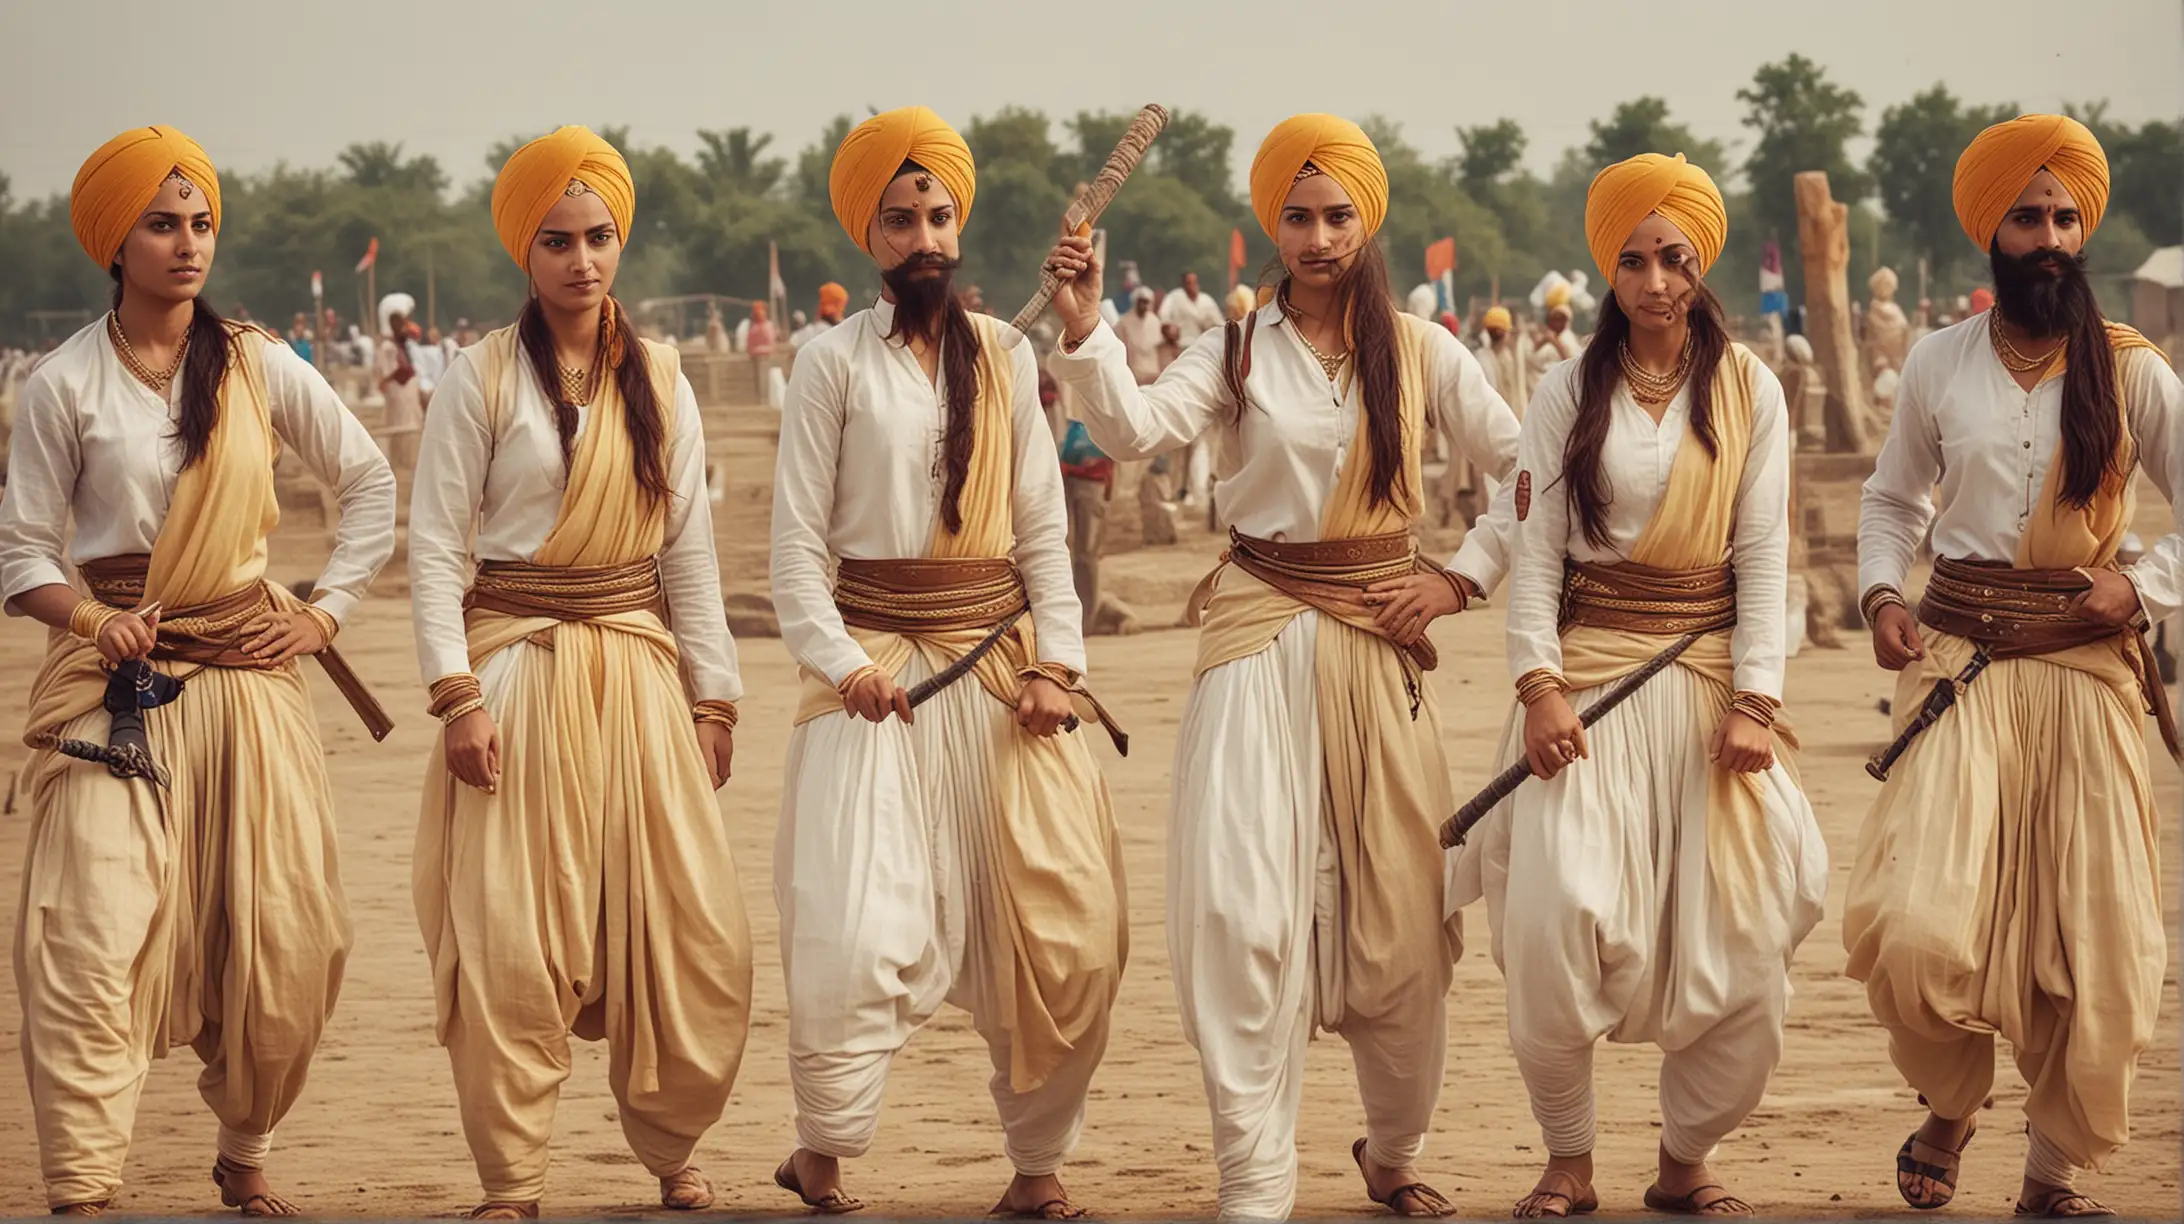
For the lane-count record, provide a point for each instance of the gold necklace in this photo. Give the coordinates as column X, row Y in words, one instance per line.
column 2013, row 358
column 158, row 382
column 576, row 384
column 1649, row 388
column 1331, row 366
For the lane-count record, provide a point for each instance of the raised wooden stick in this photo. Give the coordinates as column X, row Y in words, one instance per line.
column 1086, row 208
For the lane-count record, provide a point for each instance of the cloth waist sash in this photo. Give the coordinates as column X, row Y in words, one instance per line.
column 208, row 634
column 567, row 592
column 919, row 595
column 1634, row 598
column 2016, row 613
column 1331, row 576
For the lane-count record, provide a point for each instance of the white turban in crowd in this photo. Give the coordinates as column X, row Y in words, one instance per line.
column 395, row 304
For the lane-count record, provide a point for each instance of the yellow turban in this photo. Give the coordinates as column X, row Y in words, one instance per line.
column 538, row 175
column 2001, row 160
column 832, row 297
column 120, row 179
column 1628, row 192
column 1497, row 317
column 877, row 148
column 1339, row 148
column 1558, row 296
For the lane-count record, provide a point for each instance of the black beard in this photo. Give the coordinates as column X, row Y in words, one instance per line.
column 2042, row 292
column 921, row 302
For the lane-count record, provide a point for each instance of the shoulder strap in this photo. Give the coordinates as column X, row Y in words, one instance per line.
column 1236, row 355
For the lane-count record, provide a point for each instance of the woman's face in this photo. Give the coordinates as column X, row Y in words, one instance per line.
column 575, row 254
column 168, row 251
column 1656, row 275
column 1319, row 232
column 917, row 224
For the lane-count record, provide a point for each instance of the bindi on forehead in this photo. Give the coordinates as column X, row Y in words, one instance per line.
column 183, row 186
column 923, row 183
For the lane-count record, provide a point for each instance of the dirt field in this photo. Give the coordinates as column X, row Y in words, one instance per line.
column 377, row 1131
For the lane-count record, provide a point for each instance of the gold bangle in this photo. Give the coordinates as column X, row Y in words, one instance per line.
column 1881, row 596
column 1539, row 682
column 1064, row 677
column 452, row 690
column 328, row 626
column 719, row 713
column 1758, row 707
column 468, row 705
column 89, row 618
column 1462, row 586
column 850, row 681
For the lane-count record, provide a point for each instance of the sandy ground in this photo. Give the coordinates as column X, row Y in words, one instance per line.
column 377, row 1131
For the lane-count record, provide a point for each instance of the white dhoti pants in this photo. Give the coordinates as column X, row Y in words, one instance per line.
column 1253, row 897
column 881, row 866
column 1606, row 921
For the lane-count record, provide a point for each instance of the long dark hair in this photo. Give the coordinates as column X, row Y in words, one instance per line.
column 203, row 368
column 642, row 413
column 919, row 302
column 2044, row 304
column 1362, row 299
column 1598, row 371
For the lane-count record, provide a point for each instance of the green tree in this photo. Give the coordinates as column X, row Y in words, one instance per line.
column 1804, row 122
column 2146, row 170
column 1915, row 150
column 1491, row 152
column 1642, row 125
column 734, row 161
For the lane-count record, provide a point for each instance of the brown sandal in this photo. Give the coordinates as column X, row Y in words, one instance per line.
column 1941, row 1171
column 503, row 1211
column 251, row 1206
column 1723, row 1204
column 1425, row 1201
column 1579, row 1199
column 691, row 1178
column 2063, row 1203
column 1052, row 1209
column 90, row 1207
column 833, row 1202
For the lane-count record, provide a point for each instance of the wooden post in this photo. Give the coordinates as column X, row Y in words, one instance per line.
column 1823, row 237
column 432, row 301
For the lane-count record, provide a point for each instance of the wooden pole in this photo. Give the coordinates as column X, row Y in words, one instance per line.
column 1823, row 238
column 432, row 305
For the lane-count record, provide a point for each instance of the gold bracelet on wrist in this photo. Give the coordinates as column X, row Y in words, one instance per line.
column 325, row 621
column 455, row 695
column 850, row 681
column 89, row 618
column 1461, row 585
column 1881, row 596
column 468, row 705
column 719, row 713
column 1758, row 707
column 1539, row 682
column 1063, row 676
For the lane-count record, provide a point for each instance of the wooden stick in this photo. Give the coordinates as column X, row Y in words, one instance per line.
column 1090, row 202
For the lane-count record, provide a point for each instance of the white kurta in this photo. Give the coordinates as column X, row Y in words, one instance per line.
column 1605, row 920
column 881, row 853
column 1963, row 426
column 1193, row 317
column 511, row 488
column 1248, row 876
column 84, row 413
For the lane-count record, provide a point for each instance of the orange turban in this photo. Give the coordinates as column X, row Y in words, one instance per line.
column 120, row 179
column 832, row 297
column 538, row 175
column 2001, row 160
column 1339, row 148
column 1628, row 192
column 1496, row 317
column 877, row 148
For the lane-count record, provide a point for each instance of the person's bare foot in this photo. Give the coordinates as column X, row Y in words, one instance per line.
column 2037, row 1198
column 689, row 1190
column 817, row 1180
column 1692, row 1189
column 1036, row 1198
column 1564, row 1189
column 1399, row 1190
column 249, row 1191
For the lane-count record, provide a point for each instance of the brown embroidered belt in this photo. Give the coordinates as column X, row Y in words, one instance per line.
column 2016, row 613
column 209, row 634
column 914, row 595
column 1331, row 575
column 567, row 592
column 1637, row 598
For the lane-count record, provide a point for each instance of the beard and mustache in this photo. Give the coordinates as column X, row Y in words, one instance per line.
column 923, row 286
column 2044, row 292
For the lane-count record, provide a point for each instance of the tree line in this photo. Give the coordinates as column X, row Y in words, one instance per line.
column 704, row 222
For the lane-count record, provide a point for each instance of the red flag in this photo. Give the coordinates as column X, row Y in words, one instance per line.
column 1235, row 256
column 1440, row 258
column 371, row 256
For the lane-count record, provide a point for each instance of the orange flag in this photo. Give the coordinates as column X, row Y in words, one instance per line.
column 1440, row 258
column 1235, row 256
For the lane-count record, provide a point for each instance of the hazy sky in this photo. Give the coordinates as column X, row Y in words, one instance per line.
column 261, row 82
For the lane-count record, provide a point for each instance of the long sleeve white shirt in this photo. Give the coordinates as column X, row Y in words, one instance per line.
column 1636, row 459
column 93, row 443
column 508, row 486
column 1193, row 317
column 1964, row 425
column 1277, row 467
column 859, row 476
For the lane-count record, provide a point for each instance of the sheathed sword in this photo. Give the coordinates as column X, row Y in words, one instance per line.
column 925, row 690
column 133, row 687
column 1938, row 701
column 1454, row 830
